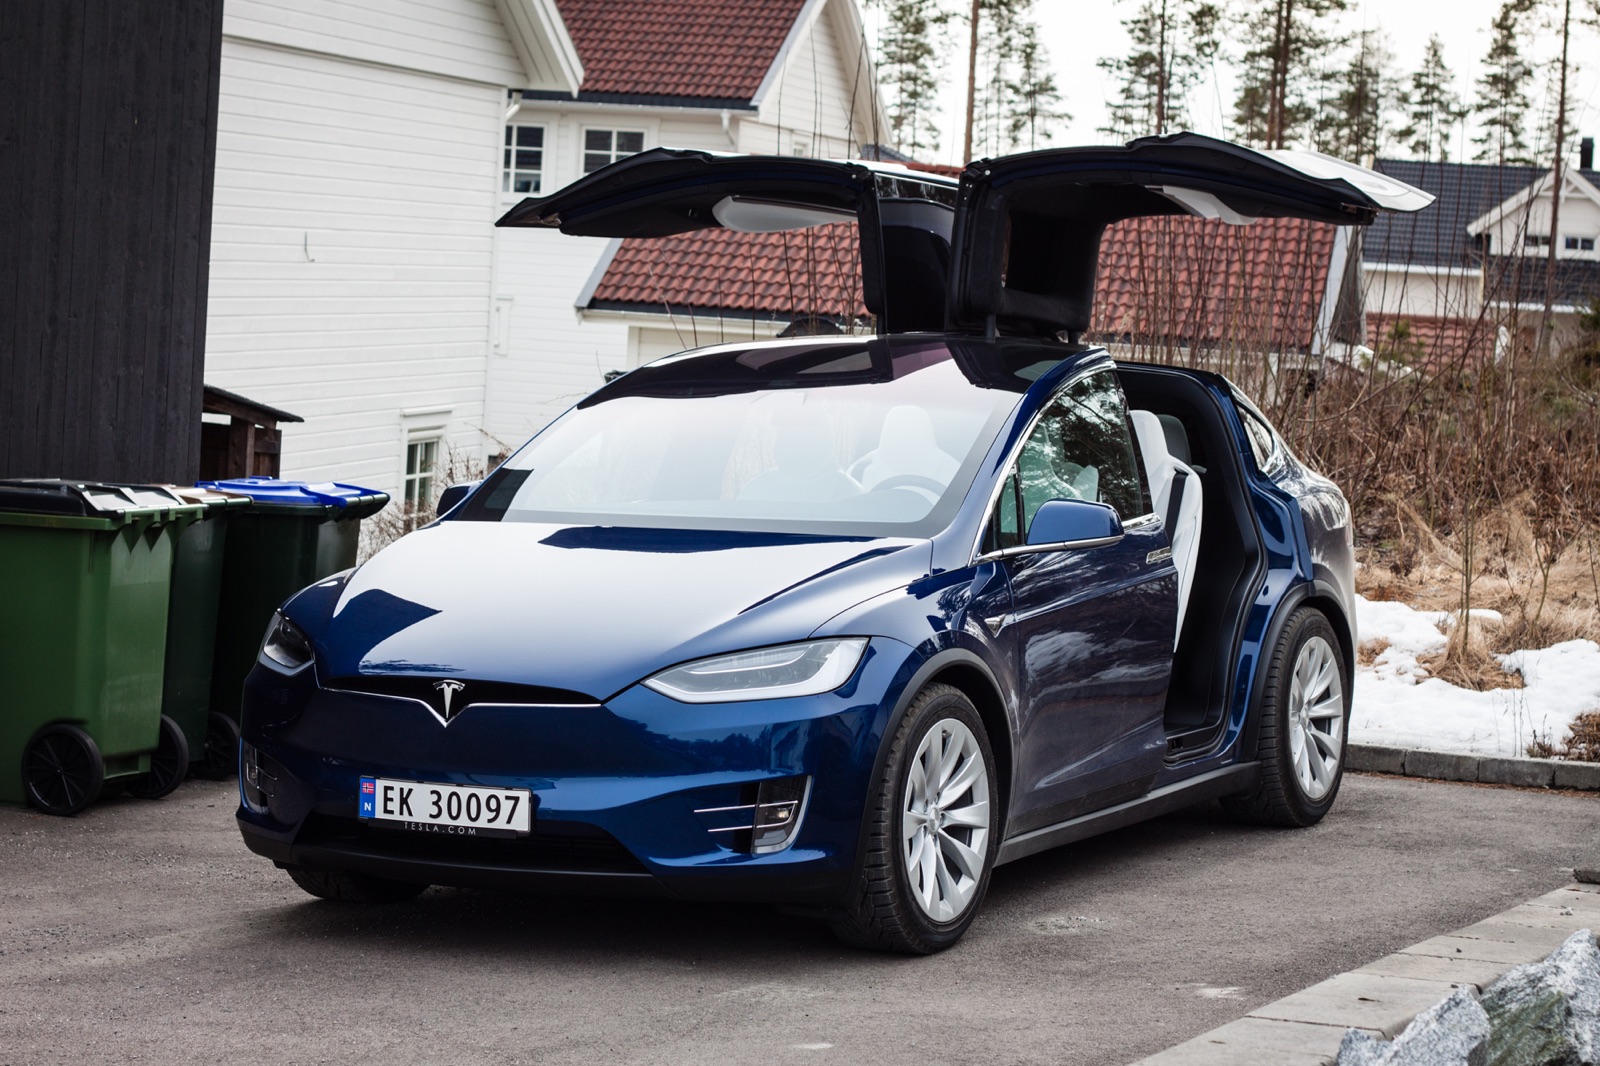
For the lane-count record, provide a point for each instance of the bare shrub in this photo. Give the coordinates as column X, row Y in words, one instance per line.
column 401, row 517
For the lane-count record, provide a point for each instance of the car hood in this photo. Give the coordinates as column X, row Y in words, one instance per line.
column 590, row 610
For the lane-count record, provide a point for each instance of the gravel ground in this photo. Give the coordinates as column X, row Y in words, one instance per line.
column 146, row 932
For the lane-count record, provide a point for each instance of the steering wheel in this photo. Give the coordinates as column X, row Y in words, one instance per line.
column 912, row 481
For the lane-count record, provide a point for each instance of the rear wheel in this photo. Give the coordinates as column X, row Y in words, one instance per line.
column 931, row 832
column 169, row 764
column 342, row 886
column 62, row 771
column 220, row 758
column 1304, row 714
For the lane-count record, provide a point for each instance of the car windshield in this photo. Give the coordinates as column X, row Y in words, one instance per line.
column 836, row 437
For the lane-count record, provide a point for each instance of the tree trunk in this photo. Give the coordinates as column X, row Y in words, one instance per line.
column 1546, row 325
column 1161, row 76
column 972, row 82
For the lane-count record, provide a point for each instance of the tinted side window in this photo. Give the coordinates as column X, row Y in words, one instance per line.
column 1081, row 449
column 1263, row 442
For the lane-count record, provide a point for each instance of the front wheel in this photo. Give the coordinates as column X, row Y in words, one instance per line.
column 1304, row 714
column 931, row 832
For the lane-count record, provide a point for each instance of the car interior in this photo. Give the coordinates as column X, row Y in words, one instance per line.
column 1216, row 546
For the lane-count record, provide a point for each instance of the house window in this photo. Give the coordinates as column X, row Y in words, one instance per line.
column 522, row 166
column 1580, row 244
column 1536, row 240
column 422, row 461
column 601, row 147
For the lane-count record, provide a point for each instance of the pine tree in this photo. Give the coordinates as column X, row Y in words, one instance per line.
column 1284, row 38
column 1360, row 96
column 908, row 67
column 1173, row 41
column 1502, row 104
column 1433, row 106
column 1034, row 101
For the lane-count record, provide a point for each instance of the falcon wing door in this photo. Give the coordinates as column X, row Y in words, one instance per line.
column 1027, row 233
column 903, row 217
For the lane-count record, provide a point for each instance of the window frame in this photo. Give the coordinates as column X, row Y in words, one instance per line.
column 508, row 173
column 615, row 131
column 978, row 554
column 1276, row 458
column 411, row 484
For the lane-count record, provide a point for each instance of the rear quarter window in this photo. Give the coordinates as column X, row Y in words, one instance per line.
column 1263, row 439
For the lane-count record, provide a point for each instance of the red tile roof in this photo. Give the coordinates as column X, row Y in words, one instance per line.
column 1431, row 343
column 1204, row 283
column 782, row 275
column 1193, row 281
column 708, row 48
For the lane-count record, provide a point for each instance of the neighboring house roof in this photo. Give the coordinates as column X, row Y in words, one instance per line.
column 715, row 51
column 1437, row 235
column 719, row 272
column 1202, row 283
column 1195, row 281
column 1424, row 341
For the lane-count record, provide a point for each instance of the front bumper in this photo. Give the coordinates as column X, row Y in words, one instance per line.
column 617, row 786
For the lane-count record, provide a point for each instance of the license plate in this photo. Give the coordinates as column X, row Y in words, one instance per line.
column 459, row 810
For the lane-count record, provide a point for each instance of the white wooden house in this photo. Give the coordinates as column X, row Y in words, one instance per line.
column 365, row 148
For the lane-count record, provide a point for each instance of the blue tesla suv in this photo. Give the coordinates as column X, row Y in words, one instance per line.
column 840, row 623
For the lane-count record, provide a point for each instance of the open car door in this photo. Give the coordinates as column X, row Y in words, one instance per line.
column 1027, row 233
column 903, row 217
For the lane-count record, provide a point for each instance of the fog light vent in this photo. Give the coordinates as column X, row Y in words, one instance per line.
column 770, row 823
column 256, row 785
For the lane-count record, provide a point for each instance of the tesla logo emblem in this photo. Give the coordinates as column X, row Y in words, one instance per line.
column 448, row 689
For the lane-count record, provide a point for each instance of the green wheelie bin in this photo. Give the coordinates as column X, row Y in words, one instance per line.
column 292, row 535
column 85, row 573
column 192, row 632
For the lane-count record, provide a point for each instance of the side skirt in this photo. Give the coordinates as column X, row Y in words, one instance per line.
column 1174, row 797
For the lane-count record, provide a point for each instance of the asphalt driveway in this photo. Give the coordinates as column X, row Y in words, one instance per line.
column 145, row 932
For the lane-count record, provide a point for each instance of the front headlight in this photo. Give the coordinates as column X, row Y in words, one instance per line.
column 807, row 669
column 285, row 649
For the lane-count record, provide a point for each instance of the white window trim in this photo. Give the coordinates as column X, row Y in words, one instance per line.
column 421, row 425
column 544, row 159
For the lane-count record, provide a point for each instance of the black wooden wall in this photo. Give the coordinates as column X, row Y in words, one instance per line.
column 108, row 120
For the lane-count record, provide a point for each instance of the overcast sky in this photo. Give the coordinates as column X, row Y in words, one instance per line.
column 1079, row 32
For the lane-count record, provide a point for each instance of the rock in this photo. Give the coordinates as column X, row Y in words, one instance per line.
column 1452, row 1033
column 1548, row 1013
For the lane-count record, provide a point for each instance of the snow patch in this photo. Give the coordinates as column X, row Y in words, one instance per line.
column 1398, row 705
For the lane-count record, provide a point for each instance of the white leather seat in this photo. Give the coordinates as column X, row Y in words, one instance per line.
column 1183, row 528
column 907, row 445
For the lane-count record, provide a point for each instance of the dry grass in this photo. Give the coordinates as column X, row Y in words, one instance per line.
column 1369, row 651
column 1582, row 742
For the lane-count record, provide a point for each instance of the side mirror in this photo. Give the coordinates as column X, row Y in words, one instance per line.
column 451, row 497
column 1065, row 525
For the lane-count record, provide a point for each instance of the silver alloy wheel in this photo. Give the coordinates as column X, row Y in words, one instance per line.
column 944, row 828
column 1316, row 718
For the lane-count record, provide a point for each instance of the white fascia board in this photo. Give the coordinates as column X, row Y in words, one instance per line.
column 802, row 24
column 711, row 113
column 1337, row 260
column 1418, row 268
column 1572, row 182
column 761, row 326
column 599, row 272
column 538, row 33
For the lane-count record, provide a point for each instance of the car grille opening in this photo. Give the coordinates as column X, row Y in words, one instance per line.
column 570, row 847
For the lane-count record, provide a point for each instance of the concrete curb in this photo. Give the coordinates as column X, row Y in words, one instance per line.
column 1486, row 769
column 1382, row 997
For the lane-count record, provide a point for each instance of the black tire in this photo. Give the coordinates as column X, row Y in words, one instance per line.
column 342, row 886
column 169, row 764
column 219, row 759
column 1279, row 798
column 881, row 911
column 62, row 771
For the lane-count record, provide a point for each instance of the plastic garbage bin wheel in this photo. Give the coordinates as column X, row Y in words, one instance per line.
column 62, row 769
column 220, row 760
column 169, row 764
